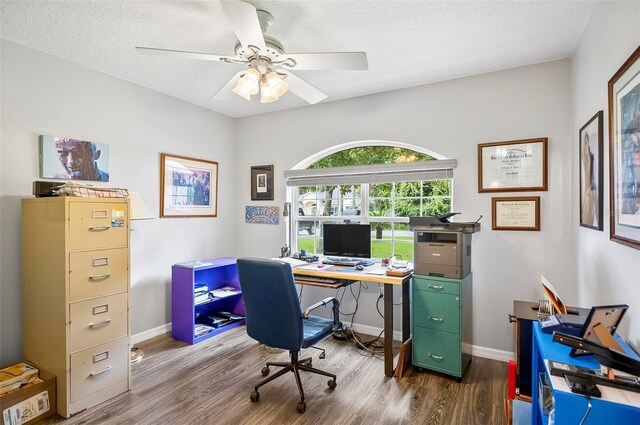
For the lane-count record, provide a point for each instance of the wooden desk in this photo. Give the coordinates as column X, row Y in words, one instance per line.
column 351, row 274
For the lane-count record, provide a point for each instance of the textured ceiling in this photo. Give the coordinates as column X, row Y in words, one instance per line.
column 408, row 43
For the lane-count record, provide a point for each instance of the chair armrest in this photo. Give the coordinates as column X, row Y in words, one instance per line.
column 322, row 303
column 337, row 324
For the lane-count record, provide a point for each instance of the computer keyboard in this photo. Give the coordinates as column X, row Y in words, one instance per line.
column 318, row 279
column 347, row 262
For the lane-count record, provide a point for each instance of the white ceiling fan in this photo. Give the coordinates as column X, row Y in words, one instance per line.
column 269, row 67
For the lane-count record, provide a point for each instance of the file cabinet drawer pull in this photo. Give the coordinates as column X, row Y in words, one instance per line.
column 436, row 319
column 436, row 357
column 98, row 228
column 99, row 276
column 106, row 369
column 436, row 287
column 98, row 324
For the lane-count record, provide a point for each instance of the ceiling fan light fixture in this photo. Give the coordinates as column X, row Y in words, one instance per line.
column 266, row 95
column 277, row 85
column 241, row 89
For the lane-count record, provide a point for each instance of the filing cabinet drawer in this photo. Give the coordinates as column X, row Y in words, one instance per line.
column 436, row 350
column 97, row 273
column 98, row 320
column 437, row 285
column 436, row 311
column 99, row 367
column 97, row 225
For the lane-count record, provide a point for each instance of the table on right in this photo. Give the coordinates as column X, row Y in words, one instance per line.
column 616, row 406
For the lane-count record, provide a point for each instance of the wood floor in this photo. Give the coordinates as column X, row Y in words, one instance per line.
column 210, row 383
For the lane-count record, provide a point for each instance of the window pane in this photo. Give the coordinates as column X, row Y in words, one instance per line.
column 380, row 208
column 436, row 188
column 407, row 189
column 403, row 250
column 437, row 206
column 380, row 190
column 407, row 208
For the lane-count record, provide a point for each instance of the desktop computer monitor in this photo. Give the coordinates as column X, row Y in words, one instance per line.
column 346, row 240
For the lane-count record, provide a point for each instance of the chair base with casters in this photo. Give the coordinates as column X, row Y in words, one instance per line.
column 274, row 318
column 295, row 366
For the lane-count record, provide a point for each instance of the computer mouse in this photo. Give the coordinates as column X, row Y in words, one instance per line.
column 359, row 267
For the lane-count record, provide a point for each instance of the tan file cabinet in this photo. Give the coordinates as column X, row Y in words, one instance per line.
column 75, row 320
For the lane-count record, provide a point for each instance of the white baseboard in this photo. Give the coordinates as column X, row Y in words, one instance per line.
column 475, row 350
column 150, row 333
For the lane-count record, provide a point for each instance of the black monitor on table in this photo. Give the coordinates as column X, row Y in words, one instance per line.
column 347, row 240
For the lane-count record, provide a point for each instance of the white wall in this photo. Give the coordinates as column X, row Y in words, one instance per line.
column 450, row 118
column 606, row 272
column 42, row 94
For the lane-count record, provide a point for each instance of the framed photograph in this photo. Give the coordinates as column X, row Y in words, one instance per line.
column 515, row 166
column 515, row 213
column 591, row 179
column 262, row 183
column 73, row 159
column 188, row 187
column 624, row 152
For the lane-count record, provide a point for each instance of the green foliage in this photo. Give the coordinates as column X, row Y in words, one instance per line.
column 368, row 155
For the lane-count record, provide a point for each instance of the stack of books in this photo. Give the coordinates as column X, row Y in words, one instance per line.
column 200, row 293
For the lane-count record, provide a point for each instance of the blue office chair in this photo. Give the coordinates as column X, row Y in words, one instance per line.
column 274, row 318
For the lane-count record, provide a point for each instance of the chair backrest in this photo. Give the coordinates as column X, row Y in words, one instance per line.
column 272, row 307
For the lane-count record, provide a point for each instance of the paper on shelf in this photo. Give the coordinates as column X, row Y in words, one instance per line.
column 377, row 272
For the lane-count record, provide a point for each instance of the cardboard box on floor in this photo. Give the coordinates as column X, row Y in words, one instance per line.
column 30, row 403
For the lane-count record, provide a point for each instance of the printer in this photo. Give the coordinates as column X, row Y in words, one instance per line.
column 442, row 248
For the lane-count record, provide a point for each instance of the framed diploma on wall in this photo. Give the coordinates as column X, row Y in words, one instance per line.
column 514, row 166
column 515, row 213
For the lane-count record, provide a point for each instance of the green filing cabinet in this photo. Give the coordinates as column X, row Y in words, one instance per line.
column 442, row 324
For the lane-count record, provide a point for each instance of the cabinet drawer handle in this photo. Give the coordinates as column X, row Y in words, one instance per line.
column 99, row 276
column 98, row 228
column 106, row 369
column 436, row 319
column 103, row 323
column 437, row 287
column 436, row 357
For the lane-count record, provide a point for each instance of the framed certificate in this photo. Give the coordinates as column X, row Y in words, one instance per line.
column 515, row 166
column 515, row 213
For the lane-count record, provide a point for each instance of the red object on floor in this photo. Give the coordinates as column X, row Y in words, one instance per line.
column 512, row 379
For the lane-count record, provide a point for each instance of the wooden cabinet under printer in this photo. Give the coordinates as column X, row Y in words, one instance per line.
column 75, row 271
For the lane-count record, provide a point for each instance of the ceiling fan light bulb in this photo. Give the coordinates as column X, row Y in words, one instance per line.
column 278, row 86
column 241, row 89
column 266, row 95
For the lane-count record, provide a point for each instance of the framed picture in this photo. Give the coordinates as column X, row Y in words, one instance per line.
column 624, row 152
column 262, row 183
column 591, row 179
column 72, row 159
column 515, row 166
column 188, row 187
column 261, row 215
column 515, row 213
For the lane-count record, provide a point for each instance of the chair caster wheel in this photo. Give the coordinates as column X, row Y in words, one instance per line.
column 322, row 356
column 265, row 371
column 302, row 406
column 255, row 396
column 332, row 384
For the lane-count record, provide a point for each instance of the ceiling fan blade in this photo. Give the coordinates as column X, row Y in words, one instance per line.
column 225, row 92
column 244, row 19
column 341, row 60
column 183, row 54
column 303, row 89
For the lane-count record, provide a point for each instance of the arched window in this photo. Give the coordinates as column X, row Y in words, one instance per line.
column 378, row 184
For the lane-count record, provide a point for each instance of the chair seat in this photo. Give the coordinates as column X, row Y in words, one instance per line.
column 315, row 329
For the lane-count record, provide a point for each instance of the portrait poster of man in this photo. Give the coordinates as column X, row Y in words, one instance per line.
column 591, row 176
column 73, row 159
